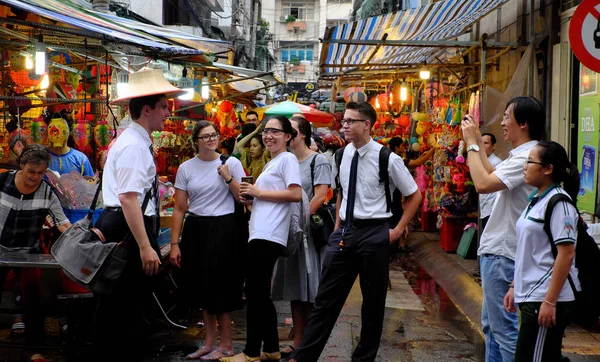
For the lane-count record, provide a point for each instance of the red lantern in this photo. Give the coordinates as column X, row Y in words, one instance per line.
column 383, row 101
column 404, row 121
column 226, row 106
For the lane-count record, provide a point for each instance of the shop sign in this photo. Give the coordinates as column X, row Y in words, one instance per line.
column 587, row 140
column 584, row 34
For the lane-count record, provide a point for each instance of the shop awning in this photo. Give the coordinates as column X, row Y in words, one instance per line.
column 424, row 26
column 117, row 28
column 248, row 73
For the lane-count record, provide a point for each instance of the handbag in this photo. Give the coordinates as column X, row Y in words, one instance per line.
column 321, row 222
column 87, row 258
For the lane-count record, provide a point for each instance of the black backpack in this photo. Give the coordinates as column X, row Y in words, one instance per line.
column 384, row 176
column 587, row 261
column 241, row 217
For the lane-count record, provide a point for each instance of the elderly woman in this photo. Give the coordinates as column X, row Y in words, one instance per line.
column 25, row 202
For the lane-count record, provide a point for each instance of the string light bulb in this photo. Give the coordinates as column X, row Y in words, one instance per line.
column 424, row 73
column 187, row 85
column 205, row 90
column 40, row 58
column 403, row 92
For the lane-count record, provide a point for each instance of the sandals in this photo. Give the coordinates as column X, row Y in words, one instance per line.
column 18, row 327
column 247, row 358
column 199, row 354
column 216, row 355
column 287, row 354
column 38, row 358
column 273, row 356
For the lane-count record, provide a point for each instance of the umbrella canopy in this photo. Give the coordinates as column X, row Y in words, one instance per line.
column 289, row 108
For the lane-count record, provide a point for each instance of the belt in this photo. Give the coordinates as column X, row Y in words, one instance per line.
column 360, row 223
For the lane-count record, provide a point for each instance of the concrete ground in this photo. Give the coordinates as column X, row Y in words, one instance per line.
column 460, row 280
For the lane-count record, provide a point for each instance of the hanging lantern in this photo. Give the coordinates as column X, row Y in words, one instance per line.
column 39, row 131
column 404, row 121
column 103, row 134
column 383, row 101
column 58, row 132
column 81, row 136
column 349, row 91
column 357, row 97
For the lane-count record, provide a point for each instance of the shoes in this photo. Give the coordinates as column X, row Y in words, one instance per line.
column 18, row 327
column 272, row 356
column 216, row 355
column 241, row 355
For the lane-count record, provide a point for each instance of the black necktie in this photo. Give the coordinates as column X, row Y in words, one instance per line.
column 352, row 190
column 155, row 195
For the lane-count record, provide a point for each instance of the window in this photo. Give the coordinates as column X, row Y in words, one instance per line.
column 292, row 54
column 297, row 10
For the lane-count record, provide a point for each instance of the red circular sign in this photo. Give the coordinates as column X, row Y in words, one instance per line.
column 584, row 34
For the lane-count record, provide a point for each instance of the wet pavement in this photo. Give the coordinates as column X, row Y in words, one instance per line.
column 421, row 324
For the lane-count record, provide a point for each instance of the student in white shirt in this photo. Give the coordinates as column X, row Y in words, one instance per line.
column 545, row 298
column 487, row 200
column 360, row 243
column 209, row 241
column 523, row 125
column 271, row 198
column 129, row 176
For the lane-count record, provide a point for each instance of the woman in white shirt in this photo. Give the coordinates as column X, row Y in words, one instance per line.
column 297, row 276
column 540, row 288
column 210, row 243
column 277, row 187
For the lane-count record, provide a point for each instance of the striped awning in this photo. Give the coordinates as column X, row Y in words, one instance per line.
column 444, row 20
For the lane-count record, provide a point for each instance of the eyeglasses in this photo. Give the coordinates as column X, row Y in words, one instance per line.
column 209, row 137
column 535, row 163
column 272, row 131
column 350, row 121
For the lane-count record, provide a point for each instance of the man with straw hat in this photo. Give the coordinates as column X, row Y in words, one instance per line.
column 129, row 182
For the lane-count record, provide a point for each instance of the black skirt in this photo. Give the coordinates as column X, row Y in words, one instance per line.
column 212, row 273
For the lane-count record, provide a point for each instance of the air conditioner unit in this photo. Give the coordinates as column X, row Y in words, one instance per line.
column 282, row 18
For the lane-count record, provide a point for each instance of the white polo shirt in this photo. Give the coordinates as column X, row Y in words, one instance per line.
column 499, row 236
column 370, row 202
column 534, row 261
column 129, row 168
column 487, row 200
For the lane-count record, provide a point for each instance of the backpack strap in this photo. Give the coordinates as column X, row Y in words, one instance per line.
column 547, row 219
column 312, row 172
column 384, row 175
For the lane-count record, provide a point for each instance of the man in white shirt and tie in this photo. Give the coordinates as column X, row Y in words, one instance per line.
column 359, row 245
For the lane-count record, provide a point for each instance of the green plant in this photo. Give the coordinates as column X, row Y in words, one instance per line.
column 290, row 19
column 295, row 61
column 263, row 23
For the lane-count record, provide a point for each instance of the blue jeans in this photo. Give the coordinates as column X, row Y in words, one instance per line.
column 501, row 328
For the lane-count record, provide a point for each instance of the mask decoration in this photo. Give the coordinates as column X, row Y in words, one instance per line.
column 18, row 140
column 58, row 132
column 39, row 131
column 81, row 136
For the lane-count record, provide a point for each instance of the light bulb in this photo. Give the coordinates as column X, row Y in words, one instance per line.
column 205, row 90
column 45, row 83
column 40, row 58
column 391, row 98
column 377, row 102
column 28, row 62
column 403, row 92
column 424, row 73
column 188, row 95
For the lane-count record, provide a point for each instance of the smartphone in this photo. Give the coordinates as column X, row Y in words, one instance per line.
column 250, row 180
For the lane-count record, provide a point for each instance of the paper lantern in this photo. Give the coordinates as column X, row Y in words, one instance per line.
column 103, row 134
column 62, row 90
column 225, row 106
column 39, row 131
column 383, row 101
column 416, row 147
column 81, row 136
column 357, row 97
column 404, row 121
column 350, row 91
column 420, row 129
column 414, row 140
column 58, row 132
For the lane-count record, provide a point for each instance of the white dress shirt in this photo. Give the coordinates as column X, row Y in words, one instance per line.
column 487, row 200
column 129, row 168
column 370, row 194
column 500, row 236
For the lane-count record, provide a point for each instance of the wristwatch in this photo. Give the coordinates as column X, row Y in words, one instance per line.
column 229, row 181
column 473, row 148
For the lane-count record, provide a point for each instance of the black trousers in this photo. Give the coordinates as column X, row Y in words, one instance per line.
column 119, row 327
column 261, row 315
column 365, row 253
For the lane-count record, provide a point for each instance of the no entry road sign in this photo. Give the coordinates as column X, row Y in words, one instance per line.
column 584, row 34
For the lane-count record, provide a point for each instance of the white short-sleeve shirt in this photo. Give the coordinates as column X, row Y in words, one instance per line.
column 129, row 168
column 208, row 193
column 271, row 220
column 534, row 261
column 499, row 236
column 370, row 202
column 487, row 200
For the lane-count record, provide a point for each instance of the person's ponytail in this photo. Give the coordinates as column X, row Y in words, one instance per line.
column 571, row 182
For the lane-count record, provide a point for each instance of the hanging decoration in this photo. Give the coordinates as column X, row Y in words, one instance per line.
column 58, row 132
column 103, row 135
column 226, row 120
column 351, row 90
column 39, row 131
column 81, row 136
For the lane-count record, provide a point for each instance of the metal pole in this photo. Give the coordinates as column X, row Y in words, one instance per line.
column 531, row 42
column 481, row 115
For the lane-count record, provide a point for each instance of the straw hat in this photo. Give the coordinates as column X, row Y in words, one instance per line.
column 148, row 83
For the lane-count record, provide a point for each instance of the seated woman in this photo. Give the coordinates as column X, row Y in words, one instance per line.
column 25, row 202
column 256, row 156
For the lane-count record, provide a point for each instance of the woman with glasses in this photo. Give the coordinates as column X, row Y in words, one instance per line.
column 253, row 153
column 277, row 187
column 297, row 277
column 540, row 287
column 209, row 249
